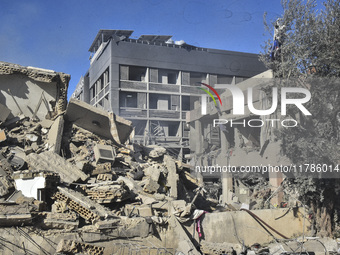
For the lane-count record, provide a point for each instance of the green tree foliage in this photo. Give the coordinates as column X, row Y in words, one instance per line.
column 310, row 39
column 310, row 54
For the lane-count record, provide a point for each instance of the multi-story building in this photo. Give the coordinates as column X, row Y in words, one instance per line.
column 152, row 81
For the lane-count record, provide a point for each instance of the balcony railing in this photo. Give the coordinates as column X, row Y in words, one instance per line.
column 136, row 85
column 164, row 114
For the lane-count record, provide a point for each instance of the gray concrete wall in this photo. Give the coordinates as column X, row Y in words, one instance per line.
column 114, row 86
column 213, row 61
column 100, row 64
column 27, row 93
column 226, row 226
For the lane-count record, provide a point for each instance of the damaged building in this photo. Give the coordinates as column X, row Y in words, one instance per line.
column 72, row 181
column 221, row 138
column 32, row 92
column 152, row 81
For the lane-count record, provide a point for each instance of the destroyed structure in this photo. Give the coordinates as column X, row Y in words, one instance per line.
column 217, row 142
column 71, row 182
column 152, row 81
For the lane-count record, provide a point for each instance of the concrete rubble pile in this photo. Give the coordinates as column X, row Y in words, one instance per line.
column 74, row 174
column 72, row 182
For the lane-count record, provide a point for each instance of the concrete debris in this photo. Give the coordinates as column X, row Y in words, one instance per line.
column 6, row 186
column 67, row 221
column 55, row 135
column 14, row 215
column 105, row 194
column 36, row 184
column 52, row 161
column 84, row 206
column 98, row 121
column 4, row 113
column 213, row 248
column 153, row 172
column 151, row 186
column 2, row 136
column 73, row 247
column 154, row 151
column 71, row 175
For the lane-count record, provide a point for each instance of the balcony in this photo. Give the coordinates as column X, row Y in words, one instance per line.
column 191, row 90
column 164, row 114
column 133, row 85
column 132, row 112
column 164, row 87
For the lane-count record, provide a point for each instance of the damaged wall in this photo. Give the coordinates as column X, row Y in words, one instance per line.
column 233, row 227
column 30, row 90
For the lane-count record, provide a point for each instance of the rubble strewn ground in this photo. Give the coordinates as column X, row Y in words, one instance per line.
column 72, row 183
column 95, row 184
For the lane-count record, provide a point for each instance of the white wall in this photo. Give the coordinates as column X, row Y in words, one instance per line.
column 29, row 187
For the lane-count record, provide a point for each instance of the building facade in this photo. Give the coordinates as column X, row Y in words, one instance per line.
column 153, row 81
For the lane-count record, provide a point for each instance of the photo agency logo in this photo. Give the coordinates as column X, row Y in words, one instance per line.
column 204, row 97
column 239, row 105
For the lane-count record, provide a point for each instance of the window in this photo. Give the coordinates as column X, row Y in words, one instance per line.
column 185, row 103
column 173, row 128
column 164, row 128
column 106, row 77
column 137, row 73
column 186, row 129
column 139, row 126
column 167, row 76
column 93, row 92
column 224, row 79
column 106, row 102
column 128, row 99
column 198, row 78
column 159, row 101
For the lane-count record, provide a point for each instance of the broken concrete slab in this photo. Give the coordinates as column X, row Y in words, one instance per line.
column 81, row 204
column 55, row 135
column 185, row 245
column 102, row 169
column 154, row 151
column 220, row 248
column 6, row 186
column 14, row 215
column 98, row 121
column 67, row 221
column 151, row 186
column 107, row 224
column 134, row 227
column 278, row 218
column 4, row 112
column 74, row 247
column 138, row 210
column 173, row 178
column 121, row 129
column 51, row 161
column 153, row 172
column 130, row 183
column 88, row 117
column 45, row 123
column 104, row 194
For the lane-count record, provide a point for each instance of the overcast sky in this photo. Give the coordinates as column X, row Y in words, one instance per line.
column 57, row 34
